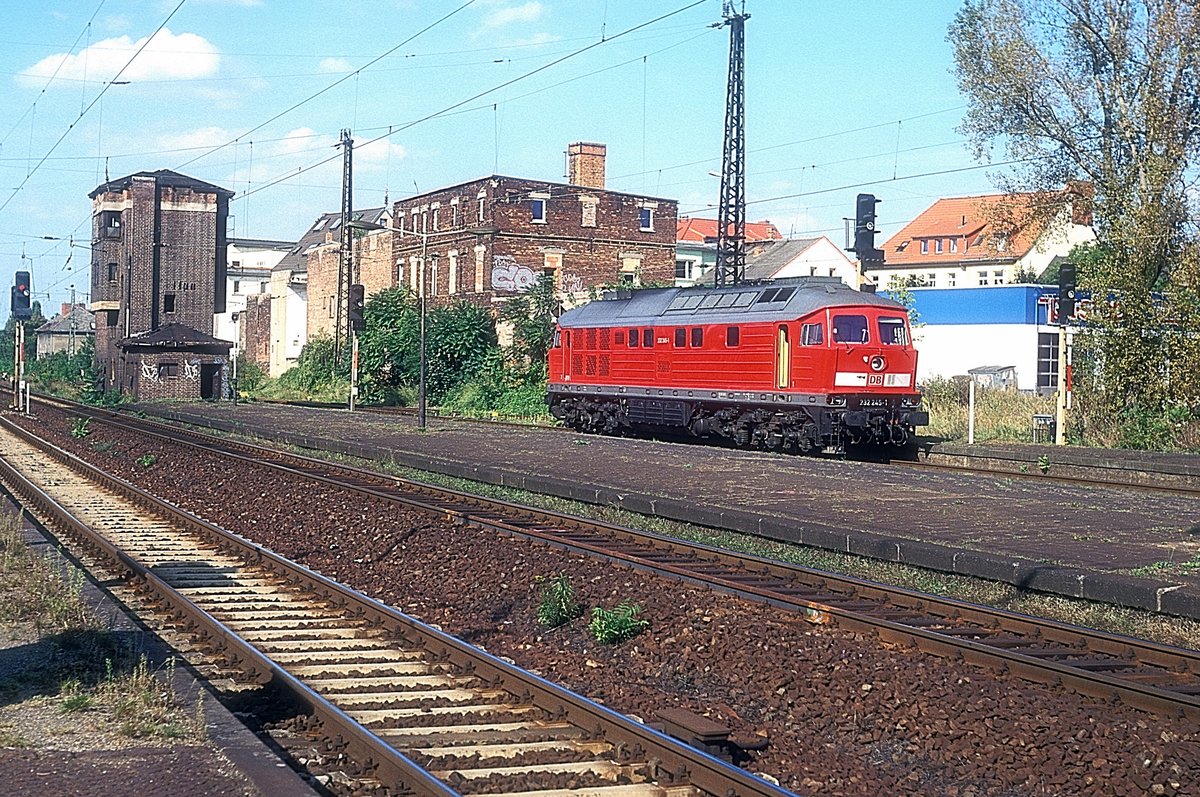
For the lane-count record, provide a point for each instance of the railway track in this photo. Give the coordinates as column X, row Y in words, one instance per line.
column 418, row 712
column 1154, row 677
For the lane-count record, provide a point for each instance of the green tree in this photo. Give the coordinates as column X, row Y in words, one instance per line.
column 532, row 315
column 1108, row 92
column 7, row 356
column 388, row 346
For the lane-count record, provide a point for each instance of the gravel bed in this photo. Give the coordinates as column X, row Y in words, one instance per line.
column 843, row 714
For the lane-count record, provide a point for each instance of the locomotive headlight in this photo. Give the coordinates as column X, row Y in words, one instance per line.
column 837, row 401
column 910, row 401
column 878, row 363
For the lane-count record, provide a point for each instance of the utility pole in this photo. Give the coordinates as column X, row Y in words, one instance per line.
column 345, row 265
column 71, row 323
column 731, row 217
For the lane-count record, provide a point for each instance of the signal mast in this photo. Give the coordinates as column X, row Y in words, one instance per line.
column 731, row 217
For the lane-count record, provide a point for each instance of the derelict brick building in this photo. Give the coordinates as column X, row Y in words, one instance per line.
column 158, row 274
column 490, row 238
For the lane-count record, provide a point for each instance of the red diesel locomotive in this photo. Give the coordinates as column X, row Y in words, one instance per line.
column 799, row 365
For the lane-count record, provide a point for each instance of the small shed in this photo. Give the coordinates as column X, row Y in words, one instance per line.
column 175, row 362
column 1001, row 377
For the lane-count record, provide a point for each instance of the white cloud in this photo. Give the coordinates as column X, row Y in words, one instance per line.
column 200, row 137
column 527, row 12
column 377, row 152
column 335, row 65
column 168, row 57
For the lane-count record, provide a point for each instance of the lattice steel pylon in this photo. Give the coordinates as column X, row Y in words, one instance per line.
column 345, row 257
column 731, row 217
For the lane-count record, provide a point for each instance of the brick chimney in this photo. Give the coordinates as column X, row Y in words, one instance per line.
column 585, row 164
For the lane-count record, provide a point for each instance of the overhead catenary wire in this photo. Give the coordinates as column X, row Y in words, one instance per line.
column 457, row 105
column 330, row 87
column 92, row 104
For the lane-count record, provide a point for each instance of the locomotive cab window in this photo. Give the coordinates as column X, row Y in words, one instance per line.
column 812, row 335
column 633, row 338
column 697, row 337
column 733, row 336
column 680, row 338
column 849, row 329
column 892, row 331
column 647, row 338
column 557, row 338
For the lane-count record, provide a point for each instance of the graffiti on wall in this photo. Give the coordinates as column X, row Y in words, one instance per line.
column 509, row 275
column 191, row 369
column 149, row 371
column 571, row 283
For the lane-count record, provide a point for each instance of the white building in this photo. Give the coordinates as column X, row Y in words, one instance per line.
column 250, row 262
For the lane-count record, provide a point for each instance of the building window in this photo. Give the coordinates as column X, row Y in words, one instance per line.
column 168, row 302
column 168, row 369
column 433, row 275
column 953, row 244
column 552, row 267
column 983, row 278
column 951, row 278
column 938, row 245
column 264, row 287
column 683, row 269
column 924, row 247
column 931, row 279
column 400, row 221
column 453, row 274
column 110, row 224
column 680, row 337
column 733, row 336
column 482, row 196
column 330, row 304
column 237, row 284
column 697, row 337
column 998, row 278
column 646, row 217
column 537, row 210
column 454, row 212
column 631, row 267
column 436, row 208
column 112, row 272
column 587, row 206
column 479, row 252
column 399, row 272
column 413, row 273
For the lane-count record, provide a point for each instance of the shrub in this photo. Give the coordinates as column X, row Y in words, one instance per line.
column 81, row 427
column 613, row 626
column 558, row 605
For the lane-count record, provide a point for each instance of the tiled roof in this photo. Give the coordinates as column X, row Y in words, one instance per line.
column 297, row 258
column 175, row 335
column 969, row 228
column 698, row 231
column 164, row 177
column 85, row 322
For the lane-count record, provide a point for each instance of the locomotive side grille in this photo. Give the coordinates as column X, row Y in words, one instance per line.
column 606, row 338
column 664, row 367
column 591, row 339
column 591, row 365
column 603, row 364
column 577, row 363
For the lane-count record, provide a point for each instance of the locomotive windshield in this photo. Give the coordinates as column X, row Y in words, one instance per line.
column 849, row 329
column 892, row 331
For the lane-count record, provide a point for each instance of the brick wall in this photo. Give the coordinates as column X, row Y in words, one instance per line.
column 322, row 267
column 154, row 382
column 585, row 237
column 255, row 325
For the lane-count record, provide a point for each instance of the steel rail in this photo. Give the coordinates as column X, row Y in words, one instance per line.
column 897, row 615
column 674, row 765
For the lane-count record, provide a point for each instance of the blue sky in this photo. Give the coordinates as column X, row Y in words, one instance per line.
column 842, row 98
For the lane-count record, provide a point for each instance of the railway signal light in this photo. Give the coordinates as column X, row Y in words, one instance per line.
column 21, row 308
column 864, row 230
column 1066, row 292
column 355, row 307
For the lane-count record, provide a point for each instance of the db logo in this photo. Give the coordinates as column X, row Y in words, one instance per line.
column 875, row 380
